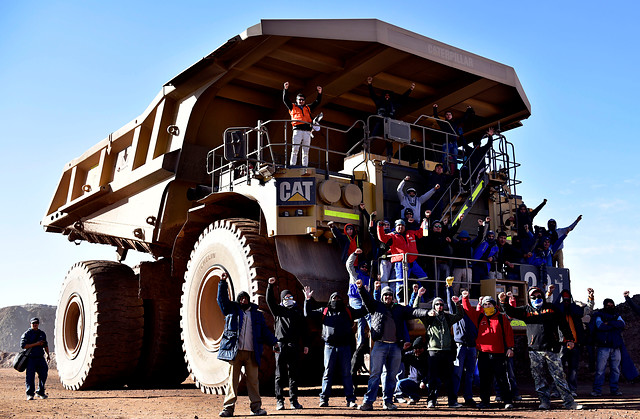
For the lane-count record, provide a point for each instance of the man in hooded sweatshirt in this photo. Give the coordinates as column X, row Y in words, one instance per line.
column 554, row 234
column 573, row 313
column 245, row 331
column 337, row 333
column 523, row 217
column 441, row 347
column 347, row 239
column 390, row 335
column 410, row 199
column 543, row 320
column 495, row 344
column 291, row 332
column 608, row 339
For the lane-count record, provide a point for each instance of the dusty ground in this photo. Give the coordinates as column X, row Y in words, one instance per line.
column 189, row 402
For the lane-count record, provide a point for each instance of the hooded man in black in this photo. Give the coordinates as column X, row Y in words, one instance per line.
column 291, row 332
column 337, row 333
column 573, row 313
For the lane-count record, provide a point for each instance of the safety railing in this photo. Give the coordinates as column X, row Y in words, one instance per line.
column 258, row 155
column 438, row 282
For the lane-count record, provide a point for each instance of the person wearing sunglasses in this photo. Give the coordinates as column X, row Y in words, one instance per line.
column 543, row 320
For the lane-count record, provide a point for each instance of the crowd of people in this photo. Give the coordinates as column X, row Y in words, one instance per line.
column 463, row 344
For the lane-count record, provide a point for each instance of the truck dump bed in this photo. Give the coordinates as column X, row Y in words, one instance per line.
column 129, row 190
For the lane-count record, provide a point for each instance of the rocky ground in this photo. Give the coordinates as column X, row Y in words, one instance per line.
column 189, row 402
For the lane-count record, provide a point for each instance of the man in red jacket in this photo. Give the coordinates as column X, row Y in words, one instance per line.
column 495, row 344
column 403, row 241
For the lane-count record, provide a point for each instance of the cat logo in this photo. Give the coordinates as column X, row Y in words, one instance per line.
column 296, row 191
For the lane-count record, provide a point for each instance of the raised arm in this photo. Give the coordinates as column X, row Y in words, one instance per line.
column 400, row 188
column 285, row 96
column 535, row 212
column 272, row 303
column 226, row 306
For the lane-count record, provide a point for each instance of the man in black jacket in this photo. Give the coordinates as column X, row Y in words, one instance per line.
column 390, row 334
column 542, row 320
column 291, row 332
column 337, row 333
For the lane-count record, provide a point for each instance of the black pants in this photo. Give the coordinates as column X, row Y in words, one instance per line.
column 287, row 365
column 490, row 366
column 441, row 371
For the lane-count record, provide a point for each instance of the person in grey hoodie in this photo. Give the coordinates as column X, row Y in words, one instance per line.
column 410, row 199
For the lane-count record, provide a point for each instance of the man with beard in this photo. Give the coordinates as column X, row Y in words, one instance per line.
column 291, row 332
column 410, row 199
column 441, row 347
column 389, row 333
column 337, row 333
column 245, row 331
column 608, row 339
column 543, row 320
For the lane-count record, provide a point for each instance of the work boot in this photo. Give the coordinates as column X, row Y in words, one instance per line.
column 259, row 412
column 365, row 406
column 226, row 413
column 295, row 404
column 280, row 405
column 389, row 406
column 41, row 396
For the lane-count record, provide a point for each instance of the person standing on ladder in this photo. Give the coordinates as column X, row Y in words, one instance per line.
column 301, row 121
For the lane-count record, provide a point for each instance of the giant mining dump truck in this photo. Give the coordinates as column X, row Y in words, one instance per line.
column 201, row 181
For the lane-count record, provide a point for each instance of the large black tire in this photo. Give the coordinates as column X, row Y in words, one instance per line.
column 236, row 247
column 162, row 363
column 99, row 326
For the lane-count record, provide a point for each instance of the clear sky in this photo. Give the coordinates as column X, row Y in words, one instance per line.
column 73, row 72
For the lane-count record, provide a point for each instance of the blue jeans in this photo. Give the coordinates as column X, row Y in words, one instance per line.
column 36, row 364
column 389, row 356
column 412, row 269
column 340, row 355
column 604, row 355
column 465, row 363
column 361, row 322
column 408, row 388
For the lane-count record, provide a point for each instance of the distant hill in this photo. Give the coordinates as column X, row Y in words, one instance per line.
column 14, row 321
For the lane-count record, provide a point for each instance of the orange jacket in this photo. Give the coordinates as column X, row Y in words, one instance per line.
column 301, row 114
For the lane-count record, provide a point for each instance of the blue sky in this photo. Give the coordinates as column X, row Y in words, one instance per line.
column 72, row 72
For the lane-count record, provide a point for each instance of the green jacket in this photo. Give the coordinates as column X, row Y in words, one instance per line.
column 439, row 334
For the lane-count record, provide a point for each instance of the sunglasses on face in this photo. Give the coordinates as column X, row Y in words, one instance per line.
column 289, row 297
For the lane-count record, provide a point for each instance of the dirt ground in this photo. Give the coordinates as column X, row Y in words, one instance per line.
column 189, row 402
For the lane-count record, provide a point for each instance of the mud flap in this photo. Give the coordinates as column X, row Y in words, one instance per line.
column 316, row 264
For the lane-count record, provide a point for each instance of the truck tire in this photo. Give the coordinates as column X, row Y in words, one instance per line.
column 162, row 363
column 99, row 326
column 236, row 247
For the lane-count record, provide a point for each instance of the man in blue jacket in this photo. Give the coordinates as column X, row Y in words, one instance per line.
column 245, row 331
column 608, row 336
column 36, row 339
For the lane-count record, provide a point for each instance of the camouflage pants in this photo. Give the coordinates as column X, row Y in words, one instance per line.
column 554, row 364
